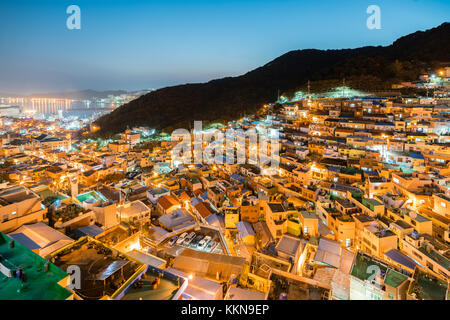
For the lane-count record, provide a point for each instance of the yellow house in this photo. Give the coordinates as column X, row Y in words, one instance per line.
column 376, row 241
column 420, row 223
column 261, row 267
column 232, row 217
column 249, row 212
column 309, row 223
column 361, row 221
column 343, row 227
column 317, row 148
column 246, row 234
column 441, row 205
column 276, row 218
column 293, row 223
column 319, row 171
column 19, row 206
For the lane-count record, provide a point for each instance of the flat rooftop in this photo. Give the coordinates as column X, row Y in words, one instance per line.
column 143, row 289
column 362, row 262
column 132, row 209
column 262, row 264
column 296, row 288
column 103, row 270
column 276, row 207
column 40, row 285
column 15, row 194
column 113, row 236
column 427, row 287
column 435, row 256
column 91, row 197
column 394, row 278
column 45, row 192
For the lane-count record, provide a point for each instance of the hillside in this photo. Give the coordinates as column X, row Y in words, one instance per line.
column 229, row 98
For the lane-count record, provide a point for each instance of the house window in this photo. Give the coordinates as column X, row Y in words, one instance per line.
column 305, row 230
column 348, row 242
column 14, row 213
column 417, row 255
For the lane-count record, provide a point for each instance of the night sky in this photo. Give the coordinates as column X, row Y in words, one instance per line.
column 131, row 44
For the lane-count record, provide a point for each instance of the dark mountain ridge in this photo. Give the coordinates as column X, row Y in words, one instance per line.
column 365, row 68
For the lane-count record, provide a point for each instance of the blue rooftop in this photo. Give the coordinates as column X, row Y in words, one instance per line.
column 238, row 177
column 25, row 241
column 416, row 156
column 245, row 229
column 400, row 258
column 91, row 230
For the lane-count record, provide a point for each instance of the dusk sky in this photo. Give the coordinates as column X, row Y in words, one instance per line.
column 131, row 44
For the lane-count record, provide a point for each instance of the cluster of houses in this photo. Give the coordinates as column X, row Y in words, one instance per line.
column 358, row 208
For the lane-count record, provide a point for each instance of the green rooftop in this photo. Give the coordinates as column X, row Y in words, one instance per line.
column 91, row 196
column 421, row 218
column 362, row 263
column 47, row 193
column 39, row 285
column 435, row 256
column 394, row 278
column 351, row 171
column 428, row 287
column 371, row 202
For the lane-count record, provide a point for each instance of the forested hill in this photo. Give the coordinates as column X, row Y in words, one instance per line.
column 364, row 68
